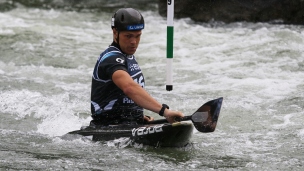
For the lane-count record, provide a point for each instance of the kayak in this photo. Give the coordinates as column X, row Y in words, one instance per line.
column 160, row 133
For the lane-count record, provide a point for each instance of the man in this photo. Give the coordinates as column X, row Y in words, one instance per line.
column 118, row 95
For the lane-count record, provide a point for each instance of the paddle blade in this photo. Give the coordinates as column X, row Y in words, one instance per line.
column 205, row 118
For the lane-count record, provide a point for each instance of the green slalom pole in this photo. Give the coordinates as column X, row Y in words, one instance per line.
column 170, row 30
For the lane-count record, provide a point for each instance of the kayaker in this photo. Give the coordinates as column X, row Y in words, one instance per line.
column 118, row 95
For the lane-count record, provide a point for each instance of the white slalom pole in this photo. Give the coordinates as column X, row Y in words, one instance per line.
column 170, row 31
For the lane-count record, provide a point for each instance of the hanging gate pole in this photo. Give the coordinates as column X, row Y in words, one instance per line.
column 170, row 30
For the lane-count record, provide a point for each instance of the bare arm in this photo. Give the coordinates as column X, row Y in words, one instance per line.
column 139, row 95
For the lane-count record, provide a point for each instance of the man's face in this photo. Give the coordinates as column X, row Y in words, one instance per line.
column 128, row 40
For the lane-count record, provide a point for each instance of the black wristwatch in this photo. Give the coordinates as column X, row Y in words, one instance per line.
column 162, row 110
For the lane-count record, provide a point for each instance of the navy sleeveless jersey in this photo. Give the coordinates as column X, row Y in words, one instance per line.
column 106, row 97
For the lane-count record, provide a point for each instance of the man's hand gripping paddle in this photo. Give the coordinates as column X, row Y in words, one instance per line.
column 204, row 119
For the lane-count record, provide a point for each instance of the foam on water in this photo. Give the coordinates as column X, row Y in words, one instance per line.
column 57, row 114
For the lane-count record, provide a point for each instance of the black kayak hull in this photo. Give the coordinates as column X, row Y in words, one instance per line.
column 159, row 135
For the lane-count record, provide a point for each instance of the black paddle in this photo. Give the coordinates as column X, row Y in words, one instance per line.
column 204, row 119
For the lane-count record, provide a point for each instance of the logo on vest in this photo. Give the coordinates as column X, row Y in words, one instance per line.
column 134, row 67
column 119, row 60
column 127, row 100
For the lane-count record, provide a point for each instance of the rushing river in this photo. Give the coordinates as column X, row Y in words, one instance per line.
column 46, row 61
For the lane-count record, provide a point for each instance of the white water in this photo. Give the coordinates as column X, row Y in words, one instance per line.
column 46, row 61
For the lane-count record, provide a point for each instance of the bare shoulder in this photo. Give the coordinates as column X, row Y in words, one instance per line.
column 122, row 79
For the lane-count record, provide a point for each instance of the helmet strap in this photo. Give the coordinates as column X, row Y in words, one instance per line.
column 117, row 38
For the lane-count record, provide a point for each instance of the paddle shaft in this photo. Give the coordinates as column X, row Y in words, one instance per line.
column 160, row 121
